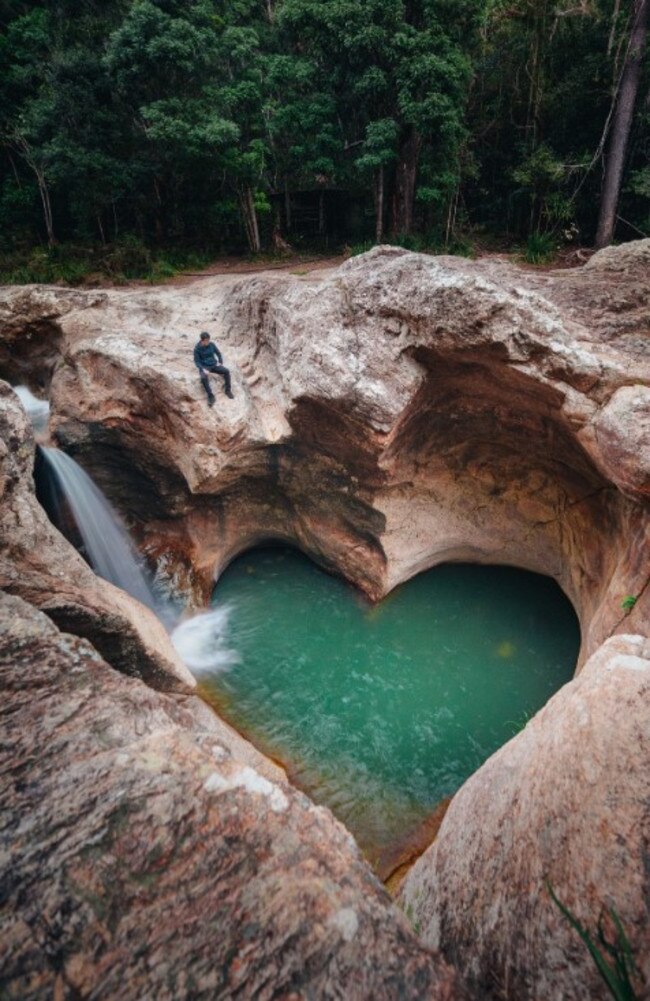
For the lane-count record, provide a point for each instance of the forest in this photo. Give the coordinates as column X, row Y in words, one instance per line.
column 140, row 136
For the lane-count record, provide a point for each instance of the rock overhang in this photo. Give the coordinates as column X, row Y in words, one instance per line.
column 474, row 395
column 536, row 458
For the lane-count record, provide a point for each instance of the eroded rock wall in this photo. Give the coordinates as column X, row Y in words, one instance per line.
column 393, row 414
column 147, row 861
column 38, row 564
column 396, row 413
column 566, row 801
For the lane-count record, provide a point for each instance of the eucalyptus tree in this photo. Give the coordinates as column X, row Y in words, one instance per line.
column 162, row 60
column 540, row 112
column 57, row 116
column 623, row 112
column 398, row 71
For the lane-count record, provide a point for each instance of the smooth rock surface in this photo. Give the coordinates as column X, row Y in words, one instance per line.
column 567, row 800
column 38, row 564
column 395, row 413
column 141, row 860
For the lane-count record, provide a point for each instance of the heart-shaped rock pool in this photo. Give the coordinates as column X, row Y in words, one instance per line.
column 380, row 712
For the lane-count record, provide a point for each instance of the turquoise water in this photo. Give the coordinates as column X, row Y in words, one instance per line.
column 381, row 711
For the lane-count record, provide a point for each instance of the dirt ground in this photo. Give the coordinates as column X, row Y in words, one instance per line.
column 570, row 257
column 237, row 266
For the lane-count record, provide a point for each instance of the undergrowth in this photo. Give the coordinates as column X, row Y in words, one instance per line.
column 541, row 248
column 612, row 955
column 71, row 264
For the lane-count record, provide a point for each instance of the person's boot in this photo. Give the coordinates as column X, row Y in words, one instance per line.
column 229, row 394
column 210, row 401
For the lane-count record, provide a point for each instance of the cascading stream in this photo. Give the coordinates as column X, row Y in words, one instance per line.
column 104, row 540
column 37, row 410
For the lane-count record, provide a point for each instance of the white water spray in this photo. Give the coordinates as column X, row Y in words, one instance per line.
column 199, row 642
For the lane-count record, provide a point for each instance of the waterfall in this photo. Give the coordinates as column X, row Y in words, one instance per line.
column 77, row 507
column 37, row 410
column 106, row 543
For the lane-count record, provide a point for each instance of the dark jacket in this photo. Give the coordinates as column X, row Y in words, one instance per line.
column 207, row 356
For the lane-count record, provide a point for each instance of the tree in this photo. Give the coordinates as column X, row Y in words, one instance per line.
column 399, row 74
column 623, row 114
column 163, row 60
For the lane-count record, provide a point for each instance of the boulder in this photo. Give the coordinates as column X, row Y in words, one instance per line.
column 143, row 860
column 567, row 802
column 630, row 259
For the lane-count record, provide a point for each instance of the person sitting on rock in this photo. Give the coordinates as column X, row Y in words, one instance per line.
column 208, row 360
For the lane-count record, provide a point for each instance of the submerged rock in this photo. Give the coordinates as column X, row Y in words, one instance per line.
column 146, row 861
column 568, row 801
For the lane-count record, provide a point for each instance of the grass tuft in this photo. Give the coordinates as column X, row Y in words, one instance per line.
column 613, row 959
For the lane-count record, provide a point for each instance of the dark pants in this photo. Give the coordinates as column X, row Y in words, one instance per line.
column 220, row 370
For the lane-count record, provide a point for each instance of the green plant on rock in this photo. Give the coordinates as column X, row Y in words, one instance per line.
column 614, row 960
column 628, row 602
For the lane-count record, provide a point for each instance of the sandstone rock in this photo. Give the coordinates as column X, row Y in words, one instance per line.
column 395, row 413
column 567, row 800
column 142, row 860
column 619, row 439
column 629, row 258
column 37, row 563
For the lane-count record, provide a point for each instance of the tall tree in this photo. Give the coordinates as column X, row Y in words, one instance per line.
column 622, row 123
column 399, row 73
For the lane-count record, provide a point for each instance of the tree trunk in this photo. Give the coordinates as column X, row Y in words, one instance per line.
column 256, row 244
column 249, row 215
column 405, row 174
column 623, row 113
column 47, row 208
column 287, row 206
column 451, row 214
column 158, row 219
column 612, row 30
column 24, row 150
column 379, row 225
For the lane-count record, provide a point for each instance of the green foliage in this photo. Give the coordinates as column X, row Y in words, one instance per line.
column 628, row 602
column 420, row 244
column 361, row 248
column 127, row 259
column 192, row 123
column 613, row 959
column 541, row 248
column 640, row 182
